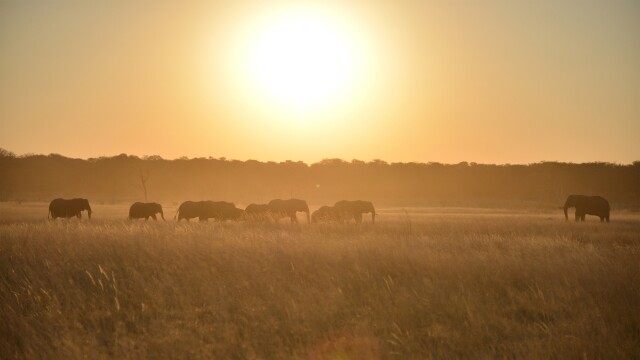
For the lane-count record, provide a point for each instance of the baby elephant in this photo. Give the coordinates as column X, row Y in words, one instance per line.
column 145, row 210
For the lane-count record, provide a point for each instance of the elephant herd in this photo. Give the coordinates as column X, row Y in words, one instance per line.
column 277, row 209
column 222, row 210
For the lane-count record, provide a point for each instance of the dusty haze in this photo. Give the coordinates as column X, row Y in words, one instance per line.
column 490, row 82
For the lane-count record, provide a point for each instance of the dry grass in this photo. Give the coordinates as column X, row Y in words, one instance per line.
column 441, row 284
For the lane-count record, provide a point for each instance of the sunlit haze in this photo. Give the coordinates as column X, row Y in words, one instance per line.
column 300, row 61
column 489, row 82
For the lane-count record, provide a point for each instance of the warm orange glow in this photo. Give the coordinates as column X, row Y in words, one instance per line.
column 493, row 82
column 297, row 68
column 301, row 60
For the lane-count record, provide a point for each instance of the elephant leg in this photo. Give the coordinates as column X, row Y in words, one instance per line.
column 146, row 218
column 154, row 217
column 358, row 218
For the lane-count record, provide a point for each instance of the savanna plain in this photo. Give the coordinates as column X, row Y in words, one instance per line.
column 419, row 283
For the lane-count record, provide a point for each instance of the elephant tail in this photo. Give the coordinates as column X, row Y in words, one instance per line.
column 176, row 215
column 49, row 214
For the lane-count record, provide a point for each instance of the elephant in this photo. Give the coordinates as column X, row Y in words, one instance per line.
column 326, row 213
column 587, row 205
column 145, row 210
column 288, row 208
column 204, row 210
column 355, row 209
column 229, row 211
column 259, row 212
column 69, row 208
column 188, row 210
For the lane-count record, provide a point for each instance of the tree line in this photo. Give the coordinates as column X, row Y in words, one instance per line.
column 126, row 178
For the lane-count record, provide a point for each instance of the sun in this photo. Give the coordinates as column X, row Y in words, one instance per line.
column 303, row 68
column 301, row 60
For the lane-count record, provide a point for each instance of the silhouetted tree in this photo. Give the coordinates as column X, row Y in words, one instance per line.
column 143, row 184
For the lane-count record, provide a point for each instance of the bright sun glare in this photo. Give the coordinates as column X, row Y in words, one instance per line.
column 300, row 59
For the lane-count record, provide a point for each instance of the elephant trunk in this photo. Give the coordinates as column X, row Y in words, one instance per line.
column 308, row 218
column 373, row 217
column 89, row 213
column 570, row 202
column 162, row 215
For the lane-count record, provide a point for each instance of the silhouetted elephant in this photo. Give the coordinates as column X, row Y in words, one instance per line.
column 355, row 209
column 204, row 210
column 587, row 205
column 188, row 210
column 288, row 208
column 259, row 212
column 145, row 210
column 228, row 211
column 69, row 208
column 326, row 213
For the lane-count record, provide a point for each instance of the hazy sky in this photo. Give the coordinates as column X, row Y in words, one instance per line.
column 449, row 81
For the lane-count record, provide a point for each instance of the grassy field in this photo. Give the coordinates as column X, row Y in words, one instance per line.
column 420, row 283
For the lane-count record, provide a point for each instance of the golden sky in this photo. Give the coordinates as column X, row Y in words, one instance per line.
column 449, row 81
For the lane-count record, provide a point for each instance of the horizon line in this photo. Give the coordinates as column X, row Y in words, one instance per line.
column 7, row 153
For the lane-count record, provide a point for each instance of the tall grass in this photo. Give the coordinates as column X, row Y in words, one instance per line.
column 411, row 286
